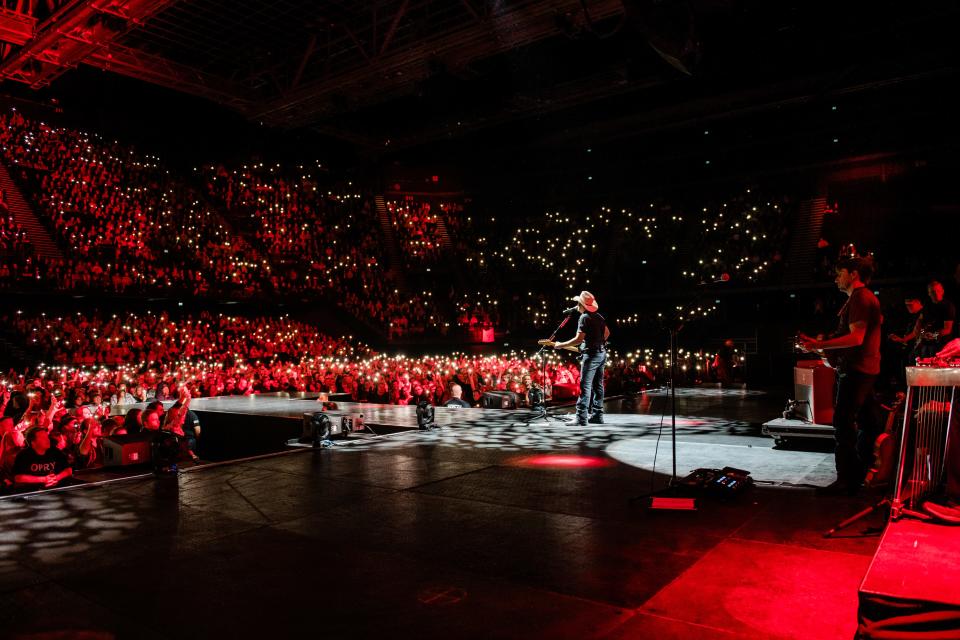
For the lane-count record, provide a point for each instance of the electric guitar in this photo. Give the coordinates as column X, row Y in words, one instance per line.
column 881, row 471
column 833, row 358
column 550, row 343
column 923, row 337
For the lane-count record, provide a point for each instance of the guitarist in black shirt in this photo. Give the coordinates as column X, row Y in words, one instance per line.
column 897, row 358
column 858, row 368
column 934, row 328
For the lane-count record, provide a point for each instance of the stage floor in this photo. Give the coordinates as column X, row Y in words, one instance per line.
column 486, row 528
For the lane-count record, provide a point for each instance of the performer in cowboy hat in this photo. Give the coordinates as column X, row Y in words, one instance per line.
column 592, row 334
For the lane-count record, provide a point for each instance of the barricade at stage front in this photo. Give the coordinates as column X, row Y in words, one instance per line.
column 240, row 426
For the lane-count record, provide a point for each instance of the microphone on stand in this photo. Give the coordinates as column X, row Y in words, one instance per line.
column 567, row 314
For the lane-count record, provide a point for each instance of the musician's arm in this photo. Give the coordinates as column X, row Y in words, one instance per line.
column 572, row 342
column 916, row 330
column 908, row 337
column 858, row 331
column 947, row 328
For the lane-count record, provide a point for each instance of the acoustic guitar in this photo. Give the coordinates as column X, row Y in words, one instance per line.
column 550, row 343
column 881, row 471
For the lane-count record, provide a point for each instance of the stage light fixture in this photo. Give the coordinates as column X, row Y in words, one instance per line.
column 425, row 416
column 316, row 429
column 535, row 398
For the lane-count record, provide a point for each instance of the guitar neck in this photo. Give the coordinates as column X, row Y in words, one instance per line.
column 549, row 343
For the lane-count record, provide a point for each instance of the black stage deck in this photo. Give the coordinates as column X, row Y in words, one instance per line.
column 486, row 528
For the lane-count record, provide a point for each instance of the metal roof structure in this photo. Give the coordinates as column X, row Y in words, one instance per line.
column 367, row 72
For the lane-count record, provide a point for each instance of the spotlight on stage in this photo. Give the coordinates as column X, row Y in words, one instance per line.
column 317, row 428
column 425, row 414
column 560, row 461
column 535, row 399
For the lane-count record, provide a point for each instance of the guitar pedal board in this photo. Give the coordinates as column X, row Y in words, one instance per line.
column 726, row 482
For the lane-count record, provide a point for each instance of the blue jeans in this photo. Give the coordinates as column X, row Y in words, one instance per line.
column 591, row 385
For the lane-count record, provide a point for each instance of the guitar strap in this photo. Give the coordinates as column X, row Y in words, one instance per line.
column 603, row 341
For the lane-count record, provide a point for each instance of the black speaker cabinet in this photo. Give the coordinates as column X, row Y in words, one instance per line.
column 499, row 400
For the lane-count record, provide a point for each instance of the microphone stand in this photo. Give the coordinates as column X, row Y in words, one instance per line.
column 676, row 324
column 543, row 376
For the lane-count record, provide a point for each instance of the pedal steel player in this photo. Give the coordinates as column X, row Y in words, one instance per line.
column 592, row 334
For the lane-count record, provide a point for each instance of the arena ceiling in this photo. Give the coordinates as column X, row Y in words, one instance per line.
column 399, row 73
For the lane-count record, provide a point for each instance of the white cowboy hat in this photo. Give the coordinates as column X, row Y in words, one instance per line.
column 587, row 300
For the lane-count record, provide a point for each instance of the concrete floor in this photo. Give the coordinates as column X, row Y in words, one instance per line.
column 475, row 531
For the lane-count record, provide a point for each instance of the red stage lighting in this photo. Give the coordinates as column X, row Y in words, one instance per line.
column 554, row 461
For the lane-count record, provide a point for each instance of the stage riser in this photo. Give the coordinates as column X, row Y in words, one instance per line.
column 235, row 435
column 226, row 436
column 915, row 573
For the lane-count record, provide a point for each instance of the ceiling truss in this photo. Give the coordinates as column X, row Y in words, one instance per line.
column 378, row 51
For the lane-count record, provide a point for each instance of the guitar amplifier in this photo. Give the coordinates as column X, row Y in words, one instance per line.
column 814, row 385
column 128, row 449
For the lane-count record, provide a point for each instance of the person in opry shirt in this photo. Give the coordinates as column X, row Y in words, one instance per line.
column 40, row 466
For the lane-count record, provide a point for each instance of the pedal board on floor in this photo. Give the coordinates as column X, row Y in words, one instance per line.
column 726, row 482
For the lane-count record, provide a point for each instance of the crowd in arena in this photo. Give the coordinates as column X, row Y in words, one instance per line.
column 744, row 237
column 12, row 236
column 634, row 248
column 126, row 223
column 420, row 227
column 123, row 222
column 98, row 364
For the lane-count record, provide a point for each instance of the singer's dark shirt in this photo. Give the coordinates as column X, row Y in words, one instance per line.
column 935, row 314
column 591, row 325
column 862, row 306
